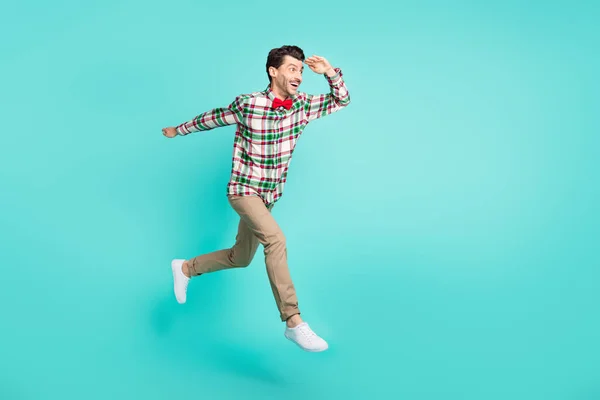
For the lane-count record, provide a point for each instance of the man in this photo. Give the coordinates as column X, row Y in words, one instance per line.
column 269, row 124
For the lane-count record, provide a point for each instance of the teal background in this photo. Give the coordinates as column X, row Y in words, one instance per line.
column 442, row 230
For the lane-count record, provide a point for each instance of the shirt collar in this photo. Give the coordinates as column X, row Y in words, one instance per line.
column 271, row 96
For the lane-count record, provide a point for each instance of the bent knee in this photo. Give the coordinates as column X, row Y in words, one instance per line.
column 240, row 260
column 241, row 263
column 276, row 240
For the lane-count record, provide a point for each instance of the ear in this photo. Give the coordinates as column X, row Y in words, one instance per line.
column 272, row 71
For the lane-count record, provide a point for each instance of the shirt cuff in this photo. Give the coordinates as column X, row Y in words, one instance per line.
column 181, row 130
column 334, row 80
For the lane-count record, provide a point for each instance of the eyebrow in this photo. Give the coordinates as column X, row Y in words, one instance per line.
column 294, row 65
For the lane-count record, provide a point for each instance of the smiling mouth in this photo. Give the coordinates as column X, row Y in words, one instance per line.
column 295, row 84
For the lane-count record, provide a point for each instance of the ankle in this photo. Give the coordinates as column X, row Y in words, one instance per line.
column 293, row 321
column 185, row 269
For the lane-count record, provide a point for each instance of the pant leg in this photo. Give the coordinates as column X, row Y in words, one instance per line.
column 238, row 256
column 260, row 221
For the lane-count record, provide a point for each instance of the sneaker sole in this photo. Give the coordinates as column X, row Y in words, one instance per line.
column 305, row 349
column 174, row 271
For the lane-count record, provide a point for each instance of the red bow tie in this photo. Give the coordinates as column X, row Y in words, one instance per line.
column 286, row 103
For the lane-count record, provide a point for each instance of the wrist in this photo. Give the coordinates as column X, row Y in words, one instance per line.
column 330, row 72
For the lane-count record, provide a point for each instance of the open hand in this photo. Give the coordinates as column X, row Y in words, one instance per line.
column 169, row 132
column 318, row 64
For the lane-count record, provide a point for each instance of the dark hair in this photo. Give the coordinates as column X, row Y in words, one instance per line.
column 276, row 56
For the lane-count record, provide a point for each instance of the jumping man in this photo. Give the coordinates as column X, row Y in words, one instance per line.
column 269, row 124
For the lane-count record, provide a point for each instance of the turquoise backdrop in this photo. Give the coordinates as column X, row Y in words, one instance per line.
column 443, row 229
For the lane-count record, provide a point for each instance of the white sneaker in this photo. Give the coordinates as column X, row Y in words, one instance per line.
column 304, row 337
column 180, row 281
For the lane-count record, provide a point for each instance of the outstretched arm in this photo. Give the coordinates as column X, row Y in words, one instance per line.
column 336, row 99
column 208, row 120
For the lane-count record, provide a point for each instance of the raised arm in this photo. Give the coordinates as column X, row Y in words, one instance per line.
column 336, row 99
column 214, row 118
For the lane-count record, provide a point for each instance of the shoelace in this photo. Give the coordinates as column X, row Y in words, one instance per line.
column 186, row 280
column 307, row 332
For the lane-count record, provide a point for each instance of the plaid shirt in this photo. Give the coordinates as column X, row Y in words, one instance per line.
column 265, row 137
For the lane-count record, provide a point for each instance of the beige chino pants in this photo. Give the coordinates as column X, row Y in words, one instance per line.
column 257, row 226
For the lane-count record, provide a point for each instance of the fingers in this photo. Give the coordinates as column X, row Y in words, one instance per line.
column 313, row 59
column 316, row 61
column 170, row 133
